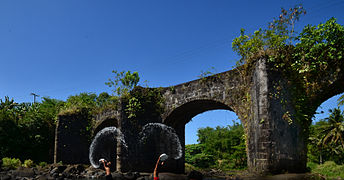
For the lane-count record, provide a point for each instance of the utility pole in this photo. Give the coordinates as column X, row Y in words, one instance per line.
column 34, row 97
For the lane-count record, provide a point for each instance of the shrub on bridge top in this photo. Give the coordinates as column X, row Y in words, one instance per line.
column 276, row 37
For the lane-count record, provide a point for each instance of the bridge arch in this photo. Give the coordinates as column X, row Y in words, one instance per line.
column 182, row 114
column 326, row 94
column 107, row 122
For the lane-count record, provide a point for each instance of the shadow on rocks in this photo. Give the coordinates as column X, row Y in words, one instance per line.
column 195, row 175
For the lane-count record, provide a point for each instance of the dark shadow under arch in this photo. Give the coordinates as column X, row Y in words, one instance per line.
column 105, row 123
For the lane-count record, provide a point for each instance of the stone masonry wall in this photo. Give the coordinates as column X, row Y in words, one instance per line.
column 276, row 142
column 71, row 139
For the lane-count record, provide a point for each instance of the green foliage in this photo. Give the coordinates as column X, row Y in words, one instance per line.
column 42, row 164
column 28, row 163
column 312, row 165
column 320, row 48
column 133, row 108
column 9, row 132
column 195, row 157
column 123, row 82
column 90, row 101
column 50, row 108
column 105, row 100
column 307, row 60
column 33, row 123
column 329, row 169
column 202, row 160
column 82, row 100
column 145, row 102
column 270, row 40
column 333, row 130
column 341, row 100
column 204, row 74
column 326, row 139
column 191, row 150
column 221, row 141
column 11, row 163
column 89, row 104
column 189, row 168
column 222, row 148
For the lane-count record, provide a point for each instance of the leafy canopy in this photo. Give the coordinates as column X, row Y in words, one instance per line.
column 279, row 33
column 220, row 147
column 326, row 141
column 123, row 82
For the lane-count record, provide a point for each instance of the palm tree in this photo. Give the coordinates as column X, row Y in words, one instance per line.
column 341, row 100
column 333, row 130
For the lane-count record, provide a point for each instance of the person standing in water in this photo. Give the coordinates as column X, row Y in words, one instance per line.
column 161, row 160
column 106, row 164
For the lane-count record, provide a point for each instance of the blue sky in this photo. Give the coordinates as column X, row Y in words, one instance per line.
column 58, row 48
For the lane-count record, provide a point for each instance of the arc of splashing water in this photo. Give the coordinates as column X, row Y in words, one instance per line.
column 107, row 132
column 118, row 136
column 169, row 131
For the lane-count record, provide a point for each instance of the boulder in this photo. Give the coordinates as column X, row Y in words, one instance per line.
column 5, row 177
column 24, row 172
column 171, row 176
column 57, row 169
column 73, row 170
column 195, row 175
column 41, row 177
column 131, row 175
column 117, row 176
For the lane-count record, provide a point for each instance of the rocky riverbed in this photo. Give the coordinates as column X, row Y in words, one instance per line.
column 79, row 171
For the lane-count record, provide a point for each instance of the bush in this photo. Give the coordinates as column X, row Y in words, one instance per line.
column 202, row 160
column 329, row 169
column 225, row 164
column 43, row 164
column 312, row 165
column 11, row 163
column 189, row 168
column 28, row 163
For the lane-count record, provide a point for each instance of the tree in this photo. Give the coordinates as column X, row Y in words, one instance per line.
column 85, row 100
column 315, row 146
column 341, row 100
column 123, row 82
column 270, row 40
column 29, row 126
column 326, row 139
column 226, row 145
column 333, row 131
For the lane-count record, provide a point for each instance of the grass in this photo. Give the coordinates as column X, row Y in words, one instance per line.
column 329, row 169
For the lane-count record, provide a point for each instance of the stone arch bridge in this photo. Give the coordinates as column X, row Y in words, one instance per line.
column 275, row 142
